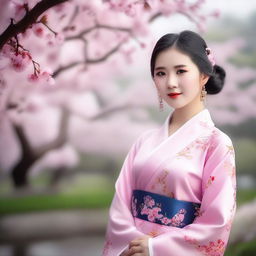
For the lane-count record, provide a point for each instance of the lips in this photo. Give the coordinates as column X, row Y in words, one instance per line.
column 174, row 93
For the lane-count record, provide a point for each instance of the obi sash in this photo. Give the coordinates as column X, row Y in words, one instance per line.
column 162, row 209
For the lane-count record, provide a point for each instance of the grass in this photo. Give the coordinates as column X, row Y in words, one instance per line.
column 96, row 199
column 80, row 192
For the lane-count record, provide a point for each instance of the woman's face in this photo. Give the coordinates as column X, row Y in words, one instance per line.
column 175, row 72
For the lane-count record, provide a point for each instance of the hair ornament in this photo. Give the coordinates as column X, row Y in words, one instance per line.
column 210, row 56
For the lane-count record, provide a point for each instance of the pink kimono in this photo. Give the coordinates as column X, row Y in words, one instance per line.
column 194, row 164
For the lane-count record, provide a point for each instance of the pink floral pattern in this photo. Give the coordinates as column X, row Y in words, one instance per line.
column 153, row 212
column 201, row 143
column 107, row 247
column 213, row 248
column 210, row 181
column 160, row 184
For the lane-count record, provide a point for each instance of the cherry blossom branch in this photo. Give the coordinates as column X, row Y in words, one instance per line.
column 98, row 26
column 87, row 61
column 29, row 19
column 72, row 18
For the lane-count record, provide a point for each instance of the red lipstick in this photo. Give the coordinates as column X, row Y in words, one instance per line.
column 174, row 95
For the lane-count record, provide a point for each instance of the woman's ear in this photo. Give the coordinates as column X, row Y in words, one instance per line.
column 204, row 79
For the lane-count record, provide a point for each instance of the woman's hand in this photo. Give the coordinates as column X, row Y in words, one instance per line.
column 138, row 247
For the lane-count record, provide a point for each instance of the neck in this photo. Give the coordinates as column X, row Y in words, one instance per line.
column 182, row 115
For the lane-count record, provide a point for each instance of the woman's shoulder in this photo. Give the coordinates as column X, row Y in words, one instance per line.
column 219, row 136
column 220, row 141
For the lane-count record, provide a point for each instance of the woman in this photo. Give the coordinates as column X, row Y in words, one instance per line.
column 176, row 192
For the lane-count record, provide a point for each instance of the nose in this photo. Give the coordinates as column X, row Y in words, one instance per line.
column 172, row 82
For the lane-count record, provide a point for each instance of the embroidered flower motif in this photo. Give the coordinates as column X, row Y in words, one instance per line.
column 210, row 181
column 229, row 224
column 185, row 153
column 160, row 184
column 216, row 248
column 165, row 220
column 230, row 168
column 154, row 233
column 177, row 219
column 149, row 202
column 107, row 247
column 231, row 149
column 201, row 143
column 153, row 212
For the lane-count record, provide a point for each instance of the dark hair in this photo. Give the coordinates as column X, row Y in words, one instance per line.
column 194, row 46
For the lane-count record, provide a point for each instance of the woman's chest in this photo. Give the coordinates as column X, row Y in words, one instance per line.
column 170, row 171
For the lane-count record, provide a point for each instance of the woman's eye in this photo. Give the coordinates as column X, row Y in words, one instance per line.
column 160, row 73
column 180, row 71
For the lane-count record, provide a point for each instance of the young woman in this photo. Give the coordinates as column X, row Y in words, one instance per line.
column 176, row 192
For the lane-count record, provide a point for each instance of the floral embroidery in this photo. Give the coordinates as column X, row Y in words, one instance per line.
column 230, row 169
column 185, row 153
column 107, row 247
column 231, row 149
column 152, row 210
column 161, row 182
column 201, row 143
column 229, row 224
column 216, row 248
column 154, row 233
column 210, row 181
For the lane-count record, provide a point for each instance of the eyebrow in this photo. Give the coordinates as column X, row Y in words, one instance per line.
column 177, row 66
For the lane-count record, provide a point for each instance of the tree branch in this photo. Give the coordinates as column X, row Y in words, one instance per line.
column 98, row 26
column 87, row 61
column 24, row 143
column 29, row 19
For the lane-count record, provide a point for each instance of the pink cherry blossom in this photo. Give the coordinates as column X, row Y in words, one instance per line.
column 39, row 30
column 20, row 61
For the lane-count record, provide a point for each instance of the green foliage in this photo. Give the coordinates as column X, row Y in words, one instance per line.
column 245, row 156
column 245, row 195
column 242, row 249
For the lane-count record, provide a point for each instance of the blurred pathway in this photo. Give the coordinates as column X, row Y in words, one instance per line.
column 57, row 233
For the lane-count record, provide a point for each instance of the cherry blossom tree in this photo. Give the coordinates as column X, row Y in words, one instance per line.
column 57, row 53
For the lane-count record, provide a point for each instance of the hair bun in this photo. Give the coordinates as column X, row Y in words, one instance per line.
column 216, row 81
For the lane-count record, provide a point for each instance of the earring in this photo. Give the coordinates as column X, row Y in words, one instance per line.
column 161, row 104
column 203, row 93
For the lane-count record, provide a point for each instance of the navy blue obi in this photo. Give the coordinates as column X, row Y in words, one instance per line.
column 163, row 210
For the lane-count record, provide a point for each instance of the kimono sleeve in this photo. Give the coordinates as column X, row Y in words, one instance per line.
column 209, row 233
column 121, row 228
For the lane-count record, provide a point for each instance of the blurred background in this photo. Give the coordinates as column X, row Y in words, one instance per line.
column 65, row 131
